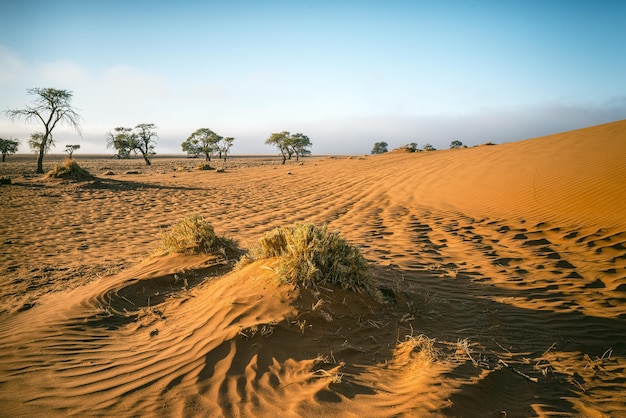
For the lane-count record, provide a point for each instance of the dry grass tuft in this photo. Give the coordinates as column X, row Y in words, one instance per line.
column 310, row 256
column 194, row 235
column 204, row 166
column 69, row 169
column 422, row 345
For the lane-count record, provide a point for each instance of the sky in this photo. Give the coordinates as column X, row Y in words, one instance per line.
column 345, row 73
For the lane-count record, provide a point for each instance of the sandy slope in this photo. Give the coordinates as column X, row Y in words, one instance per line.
column 503, row 269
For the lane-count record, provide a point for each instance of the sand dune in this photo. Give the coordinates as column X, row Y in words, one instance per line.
column 503, row 270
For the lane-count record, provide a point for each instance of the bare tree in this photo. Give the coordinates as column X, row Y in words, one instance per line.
column 50, row 107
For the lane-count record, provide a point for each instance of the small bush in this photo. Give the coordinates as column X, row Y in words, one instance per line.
column 204, row 166
column 69, row 169
column 194, row 235
column 5, row 180
column 310, row 256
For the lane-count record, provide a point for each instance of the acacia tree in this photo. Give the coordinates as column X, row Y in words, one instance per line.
column 456, row 144
column 203, row 141
column 146, row 140
column 281, row 141
column 379, row 148
column 299, row 144
column 225, row 145
column 69, row 149
column 8, row 147
column 35, row 141
column 123, row 140
column 50, row 107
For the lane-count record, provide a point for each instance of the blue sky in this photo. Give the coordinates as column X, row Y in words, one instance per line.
column 345, row 73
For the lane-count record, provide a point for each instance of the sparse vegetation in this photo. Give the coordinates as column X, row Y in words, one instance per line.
column 456, row 144
column 8, row 147
column 69, row 149
column 380, row 148
column 310, row 256
column 429, row 147
column 290, row 145
column 204, row 166
column 69, row 169
column 412, row 147
column 194, row 235
column 202, row 142
column 125, row 141
column 51, row 106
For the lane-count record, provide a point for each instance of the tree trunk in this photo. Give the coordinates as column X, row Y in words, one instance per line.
column 4, row 157
column 42, row 151
column 146, row 159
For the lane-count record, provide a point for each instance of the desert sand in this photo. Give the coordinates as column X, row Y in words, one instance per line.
column 503, row 270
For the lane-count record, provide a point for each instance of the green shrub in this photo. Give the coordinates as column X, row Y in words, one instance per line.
column 310, row 256
column 194, row 235
column 5, row 180
column 69, row 169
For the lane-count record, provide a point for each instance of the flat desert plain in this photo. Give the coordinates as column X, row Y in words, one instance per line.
column 502, row 270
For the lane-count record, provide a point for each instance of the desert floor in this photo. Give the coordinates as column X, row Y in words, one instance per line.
column 503, row 270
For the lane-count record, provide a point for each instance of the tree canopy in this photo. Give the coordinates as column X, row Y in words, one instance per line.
column 380, row 147
column 8, row 147
column 141, row 139
column 456, row 144
column 202, row 142
column 69, row 149
column 289, row 145
column 50, row 107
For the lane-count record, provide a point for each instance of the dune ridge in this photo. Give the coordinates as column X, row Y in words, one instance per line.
column 503, row 271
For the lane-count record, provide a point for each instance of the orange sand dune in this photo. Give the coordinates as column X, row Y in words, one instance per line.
column 503, row 270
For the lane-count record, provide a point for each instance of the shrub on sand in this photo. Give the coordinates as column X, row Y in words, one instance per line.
column 309, row 256
column 68, row 169
column 204, row 166
column 194, row 235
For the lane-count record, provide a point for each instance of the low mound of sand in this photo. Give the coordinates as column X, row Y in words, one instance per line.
column 502, row 271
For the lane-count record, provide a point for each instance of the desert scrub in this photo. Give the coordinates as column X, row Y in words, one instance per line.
column 68, row 169
column 308, row 255
column 194, row 235
column 204, row 166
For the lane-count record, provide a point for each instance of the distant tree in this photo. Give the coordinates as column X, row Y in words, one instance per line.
column 224, row 146
column 146, row 140
column 123, row 140
column 35, row 141
column 380, row 148
column 140, row 140
column 50, row 107
column 69, row 149
column 429, row 147
column 280, row 140
column 456, row 144
column 298, row 144
column 412, row 147
column 8, row 147
column 203, row 141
